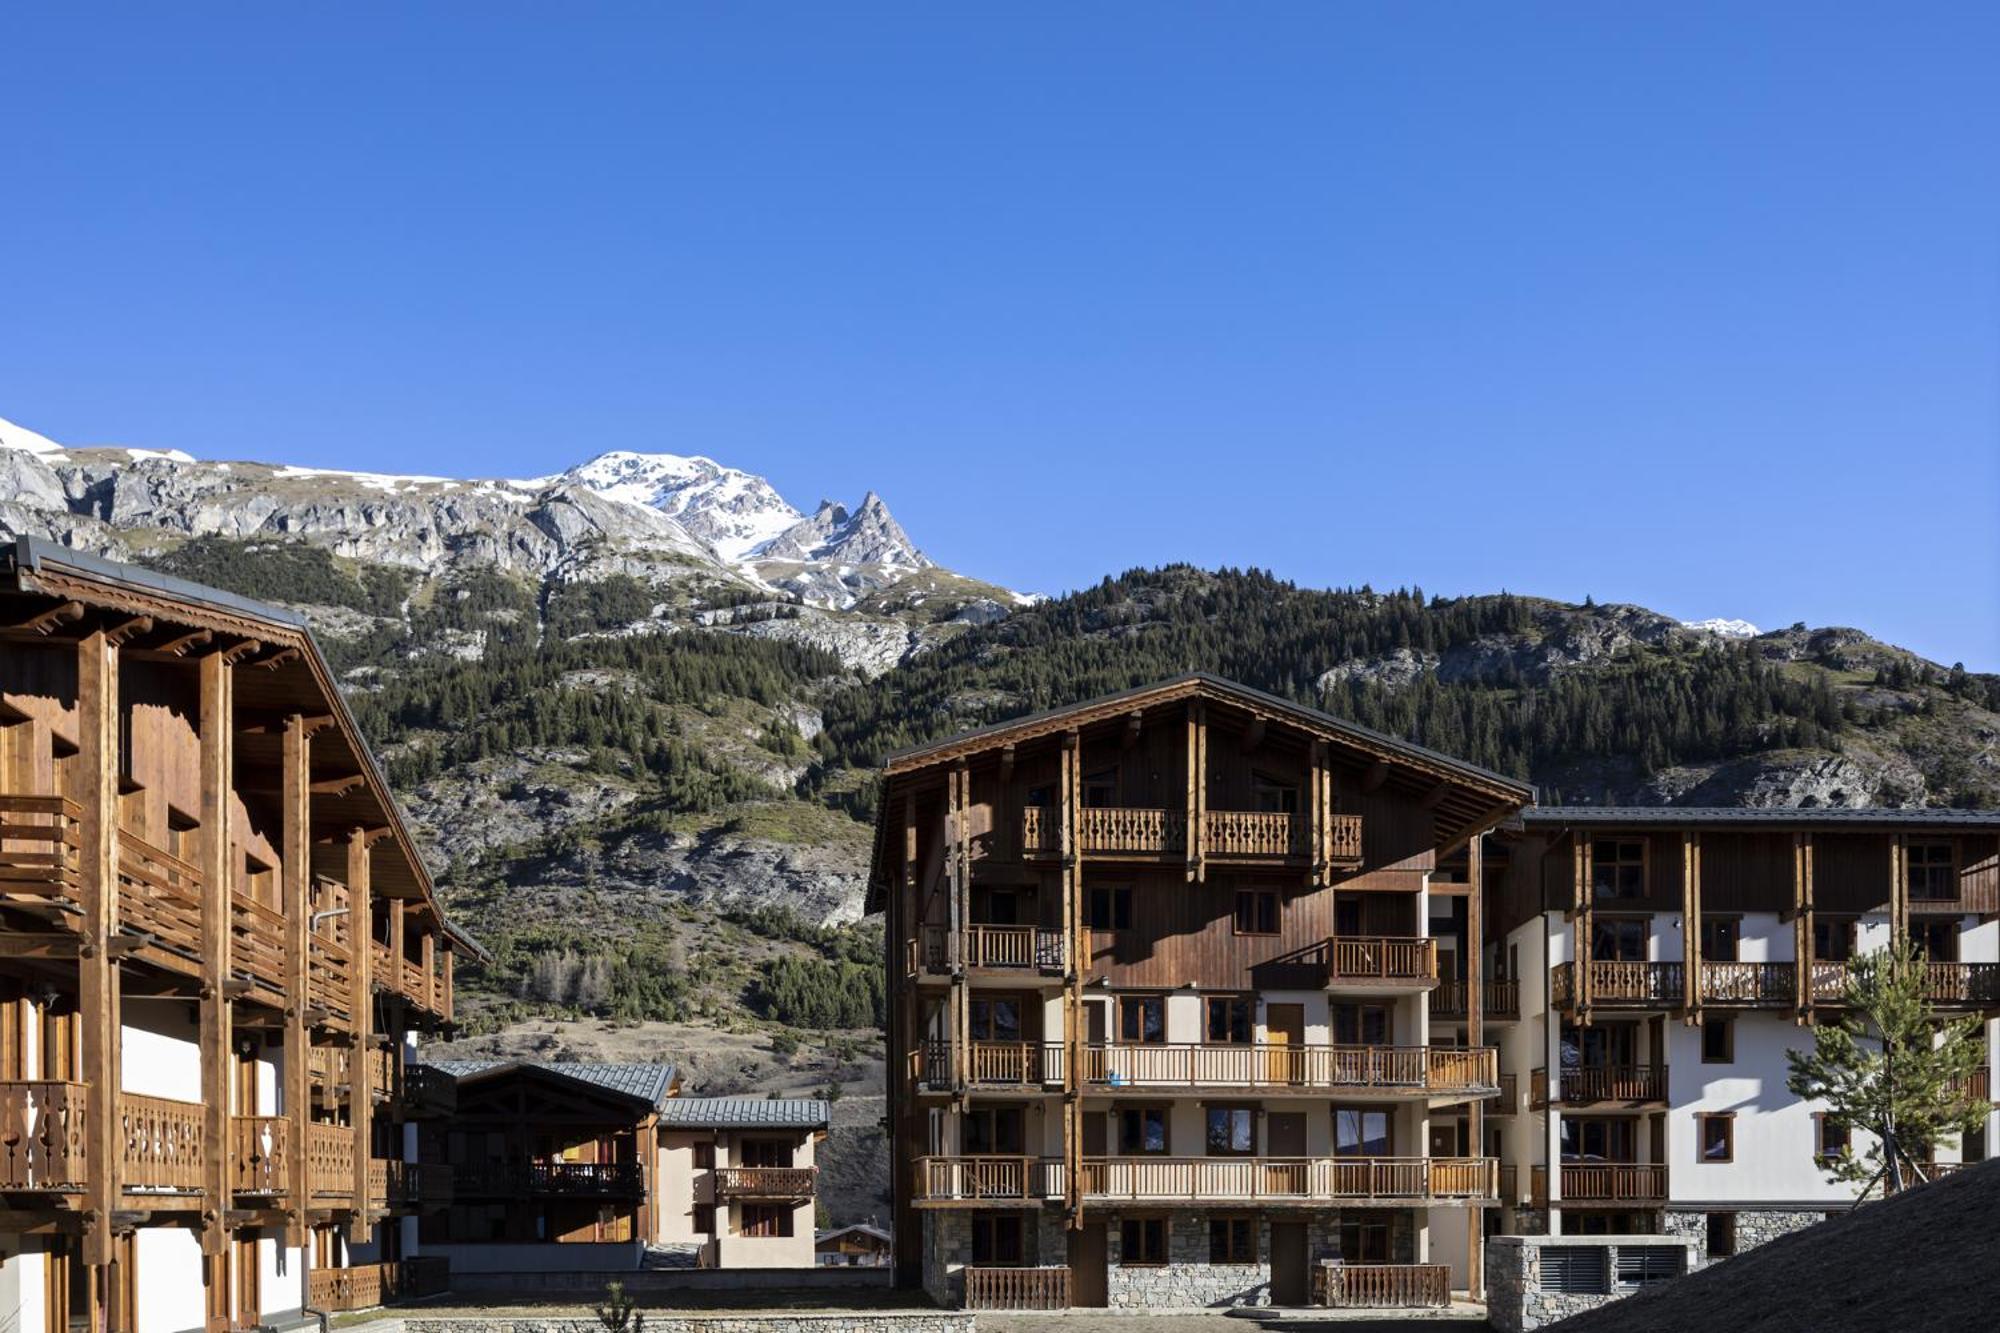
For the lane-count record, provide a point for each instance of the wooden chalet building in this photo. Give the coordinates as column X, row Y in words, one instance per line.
column 217, row 943
column 1181, row 1007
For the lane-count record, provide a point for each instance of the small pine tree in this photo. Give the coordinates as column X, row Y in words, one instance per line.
column 619, row 1314
column 1890, row 1067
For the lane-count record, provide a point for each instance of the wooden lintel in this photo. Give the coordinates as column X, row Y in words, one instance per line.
column 339, row 786
column 63, row 613
column 240, row 651
column 277, row 659
column 185, row 643
column 52, row 944
column 125, row 630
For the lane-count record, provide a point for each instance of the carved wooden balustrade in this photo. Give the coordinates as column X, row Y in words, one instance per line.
column 764, row 1182
column 1429, row 1070
column 260, row 1154
column 1382, row 1286
column 1017, row 1288
column 365, row 1286
column 162, row 1144
column 42, row 1136
column 1748, row 983
column 1643, row 985
column 1138, row 831
column 1278, row 1179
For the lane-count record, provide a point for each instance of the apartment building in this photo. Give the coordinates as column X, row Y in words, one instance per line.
column 1664, row 960
column 561, row 1166
column 1183, row 1006
column 217, row 947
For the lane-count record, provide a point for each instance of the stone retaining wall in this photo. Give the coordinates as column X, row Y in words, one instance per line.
column 1754, row 1227
column 874, row 1321
column 1515, row 1299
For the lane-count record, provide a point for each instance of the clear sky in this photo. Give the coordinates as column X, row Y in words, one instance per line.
column 1696, row 306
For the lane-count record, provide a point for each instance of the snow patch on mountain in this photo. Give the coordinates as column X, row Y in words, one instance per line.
column 735, row 512
column 20, row 437
column 1725, row 628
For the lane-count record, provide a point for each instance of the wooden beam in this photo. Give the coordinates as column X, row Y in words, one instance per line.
column 217, row 744
column 295, row 823
column 1006, row 824
column 181, row 645
column 97, row 972
column 361, row 1006
column 277, row 659
column 46, row 622
column 1475, row 1031
column 240, row 651
column 125, row 630
column 1377, row 774
column 339, row 786
column 41, row 944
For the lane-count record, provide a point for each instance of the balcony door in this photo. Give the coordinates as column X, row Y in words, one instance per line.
column 1285, row 1139
column 1937, row 941
column 1618, row 939
column 1285, row 1038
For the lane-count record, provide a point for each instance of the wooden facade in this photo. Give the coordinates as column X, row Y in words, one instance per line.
column 198, row 858
column 1199, row 910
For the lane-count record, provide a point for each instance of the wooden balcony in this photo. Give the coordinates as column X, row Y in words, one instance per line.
column 162, row 1148
column 1620, row 985
column 779, row 1183
column 1381, row 962
column 1749, row 984
column 1307, row 1069
column 1946, row 985
column 1977, row 1087
column 1139, row 833
column 1016, row 1065
column 1630, row 1085
column 257, row 948
column 40, row 856
column 429, row 990
column 159, row 898
column 42, row 1136
column 567, row 1179
column 1017, row 1289
column 365, row 1286
column 1613, row 1182
column 1382, row 1286
column 1501, row 999
column 260, row 1153
column 1199, row 1180
column 987, row 1180
column 331, row 1069
column 1025, row 951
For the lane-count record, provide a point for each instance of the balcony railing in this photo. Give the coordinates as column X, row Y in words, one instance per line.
column 1613, row 1182
column 1006, row 948
column 1017, row 1288
column 1644, row 985
column 1429, row 1070
column 1382, row 1286
column 332, row 1068
column 980, row 1178
column 1502, row 999
column 764, row 1182
column 42, row 1136
column 1950, row 985
column 366, row 1286
column 162, row 1144
column 1748, row 983
column 330, row 1161
column 159, row 895
column 41, row 844
column 519, row 1179
column 1586, row 1084
column 1381, row 960
column 1112, row 831
column 425, row 989
column 1229, row 1179
column 993, row 1064
column 260, row 1154
column 1976, row 1087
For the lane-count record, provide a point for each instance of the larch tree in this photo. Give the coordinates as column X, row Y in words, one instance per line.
column 1890, row 1066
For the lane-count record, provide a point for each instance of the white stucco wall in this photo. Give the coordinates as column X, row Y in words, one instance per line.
column 160, row 1053
column 171, row 1293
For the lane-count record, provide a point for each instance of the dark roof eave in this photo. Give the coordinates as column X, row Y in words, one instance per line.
column 1753, row 816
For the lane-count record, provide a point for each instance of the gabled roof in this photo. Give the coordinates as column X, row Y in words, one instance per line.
column 862, row 1228
column 652, row 1085
column 745, row 1113
column 1736, row 816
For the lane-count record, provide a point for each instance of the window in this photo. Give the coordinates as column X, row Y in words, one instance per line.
column 1232, row 1240
column 1110, row 909
column 1601, row 1046
column 767, row 1152
column 704, row 1219
column 1833, row 939
column 1718, row 1041
column 1933, row 871
column 704, row 1156
column 1576, row 1270
column 1232, row 1131
column 1361, row 1024
column 998, row 907
column 1142, row 1240
column 766, row 1220
column 1360, row 1131
column 995, row 1018
column 993, row 1129
column 996, row 1239
column 1256, row 912
column 1142, row 1019
column 1100, row 789
column 1142, row 1131
column 1936, row 940
column 1612, row 1139
column 1618, row 939
column 1719, row 937
column 1721, row 1235
column 1718, row 1136
column 1617, row 868
column 1228, row 1020
column 1363, row 1242
column 1830, row 1139
column 1274, row 795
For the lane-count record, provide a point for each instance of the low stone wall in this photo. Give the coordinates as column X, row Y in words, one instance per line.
column 1517, row 1302
column 589, row 1287
column 1754, row 1227
column 874, row 1321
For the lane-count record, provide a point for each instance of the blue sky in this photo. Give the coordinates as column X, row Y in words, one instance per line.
column 1696, row 306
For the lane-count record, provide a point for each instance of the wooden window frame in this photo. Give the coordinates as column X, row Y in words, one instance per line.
column 1645, row 867
column 1166, row 1116
column 989, row 999
column 1103, row 778
column 703, row 1154
column 1949, row 865
column 1364, row 1226
column 704, row 1219
column 774, row 1221
column 1825, row 1125
column 1729, row 1219
column 1613, row 919
column 1234, row 1227
column 1248, row 1005
column 1161, row 1254
column 996, row 1254
column 1118, row 900
column 1258, row 900
column 1385, row 1110
column 1359, row 1010
column 1726, row 1121
column 991, row 1117
column 1286, row 792
column 1136, row 1002
column 1730, row 918
column 1850, row 927
column 1248, row 1110
column 1728, row 1027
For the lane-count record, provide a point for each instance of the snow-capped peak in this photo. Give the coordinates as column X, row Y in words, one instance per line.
column 1724, row 627
column 20, row 437
column 733, row 511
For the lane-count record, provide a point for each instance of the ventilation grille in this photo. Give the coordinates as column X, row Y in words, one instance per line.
column 1581, row 1270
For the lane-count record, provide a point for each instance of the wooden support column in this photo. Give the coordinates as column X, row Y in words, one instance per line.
column 1802, row 927
column 1006, row 821
column 1316, row 813
column 1899, row 889
column 1690, row 930
column 1068, row 785
column 296, row 854
column 218, row 731
column 361, row 1004
column 956, row 896
column 98, row 761
column 450, row 1001
column 1475, row 1032
column 1197, row 794
column 1580, row 919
